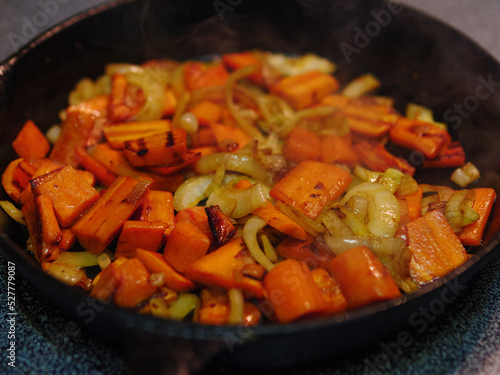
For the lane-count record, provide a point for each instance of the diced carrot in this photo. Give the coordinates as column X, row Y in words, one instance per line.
column 157, row 149
column 170, row 103
column 205, row 150
column 311, row 185
column 338, row 149
column 68, row 239
column 279, row 221
column 222, row 227
column 14, row 180
column 134, row 287
column 419, row 135
column 362, row 278
column 377, row 158
column 453, row 156
column 118, row 134
column 301, row 145
column 185, row 245
column 102, row 222
column 103, row 175
column 413, row 202
column 77, row 129
column 229, row 138
column 198, row 76
column 435, row 248
column 238, row 60
column 304, row 89
column 292, row 291
column 168, row 169
column 125, row 100
column 330, row 289
column 155, row 263
column 143, row 234
column 107, row 283
column 70, row 193
column 159, row 206
column 205, row 136
column 223, row 268
column 308, row 251
column 198, row 216
column 30, row 143
column 207, row 112
column 43, row 228
column 472, row 234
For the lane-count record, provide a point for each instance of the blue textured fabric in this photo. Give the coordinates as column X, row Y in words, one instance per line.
column 463, row 339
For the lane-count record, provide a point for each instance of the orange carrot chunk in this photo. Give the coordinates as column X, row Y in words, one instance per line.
column 311, row 185
column 377, row 158
column 118, row 134
column 330, row 290
column 199, row 76
column 185, row 245
column 125, row 100
column 472, row 234
column 70, row 193
column 135, row 234
column 207, row 112
column 101, row 223
column 30, row 143
column 419, row 135
column 453, row 156
column 159, row 206
column 155, row 263
column 362, row 278
column 134, row 287
column 229, row 138
column 292, row 291
column 307, row 251
column 107, row 283
column 103, row 175
column 435, row 248
column 338, row 149
column 301, row 145
column 224, row 268
column 235, row 61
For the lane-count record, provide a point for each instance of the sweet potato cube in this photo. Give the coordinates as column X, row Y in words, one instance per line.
column 311, row 185
column 134, row 287
column 307, row 250
column 71, row 194
column 159, row 206
column 185, row 245
column 157, row 149
column 100, row 224
column 362, row 278
column 118, row 134
column 30, row 143
column 107, row 283
column 302, row 145
column 330, row 290
column 435, row 248
column 206, row 112
column 135, row 234
column 224, row 268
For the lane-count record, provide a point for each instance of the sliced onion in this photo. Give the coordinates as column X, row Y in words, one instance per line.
column 381, row 246
column 13, row 211
column 67, row 274
column 79, row 259
column 237, row 203
column 312, row 227
column 465, row 175
column 236, row 302
column 456, row 206
column 269, row 248
column 191, row 192
column 360, row 86
column 383, row 208
column 334, row 224
column 185, row 303
column 252, row 226
column 103, row 260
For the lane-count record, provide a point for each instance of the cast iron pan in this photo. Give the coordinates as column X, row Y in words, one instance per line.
column 416, row 58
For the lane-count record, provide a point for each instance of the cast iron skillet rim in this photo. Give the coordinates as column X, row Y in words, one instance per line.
column 185, row 329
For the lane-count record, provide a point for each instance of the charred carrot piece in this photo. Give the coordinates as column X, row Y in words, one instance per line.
column 362, row 278
column 308, row 251
column 453, row 156
column 118, row 134
column 338, row 149
column 207, row 112
column 71, row 194
column 30, row 143
column 102, row 222
column 185, row 245
column 472, row 234
column 435, row 248
column 103, row 175
column 377, row 158
column 223, row 268
column 330, row 290
column 229, row 138
column 155, row 263
column 222, row 228
column 135, row 234
column 198, row 76
column 198, row 216
column 311, row 185
column 165, row 148
column 301, row 145
column 168, row 169
column 293, row 292
column 235, row 61
column 304, row 89
column 419, row 135
column 125, row 101
column 77, row 128
column 134, row 287
column 107, row 283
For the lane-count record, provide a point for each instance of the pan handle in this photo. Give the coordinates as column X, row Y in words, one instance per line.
column 153, row 354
